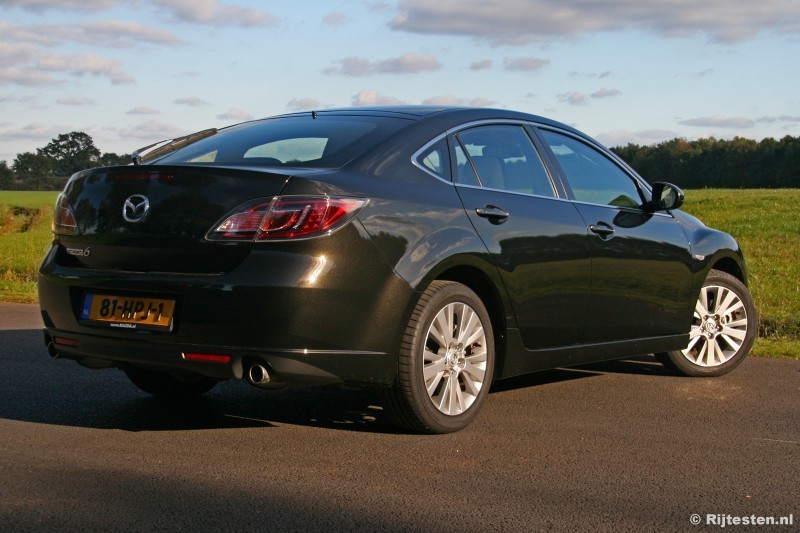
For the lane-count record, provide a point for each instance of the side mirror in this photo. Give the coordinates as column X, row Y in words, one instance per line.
column 666, row 197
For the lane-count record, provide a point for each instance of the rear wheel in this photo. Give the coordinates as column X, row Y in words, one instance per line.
column 446, row 361
column 723, row 330
column 170, row 386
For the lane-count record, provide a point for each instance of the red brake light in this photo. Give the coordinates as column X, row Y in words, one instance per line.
column 287, row 217
column 64, row 222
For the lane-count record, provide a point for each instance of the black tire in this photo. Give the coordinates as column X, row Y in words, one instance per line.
column 724, row 328
column 460, row 374
column 170, row 386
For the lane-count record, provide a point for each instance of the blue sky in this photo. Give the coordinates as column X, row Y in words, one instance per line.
column 131, row 72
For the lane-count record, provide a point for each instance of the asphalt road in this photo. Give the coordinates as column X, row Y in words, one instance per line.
column 615, row 446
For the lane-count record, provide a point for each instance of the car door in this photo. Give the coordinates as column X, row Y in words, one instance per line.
column 641, row 261
column 536, row 239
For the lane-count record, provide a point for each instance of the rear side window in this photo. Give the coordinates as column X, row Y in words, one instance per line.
column 298, row 141
column 436, row 159
column 504, row 158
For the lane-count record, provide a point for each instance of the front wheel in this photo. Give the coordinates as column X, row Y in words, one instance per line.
column 170, row 386
column 445, row 361
column 724, row 327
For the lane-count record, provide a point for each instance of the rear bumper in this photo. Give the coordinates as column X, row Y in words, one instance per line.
column 289, row 365
column 323, row 313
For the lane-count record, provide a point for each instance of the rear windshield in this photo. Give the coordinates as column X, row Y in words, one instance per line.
column 321, row 142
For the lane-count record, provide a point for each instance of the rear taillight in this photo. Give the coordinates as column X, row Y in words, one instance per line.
column 286, row 217
column 64, row 222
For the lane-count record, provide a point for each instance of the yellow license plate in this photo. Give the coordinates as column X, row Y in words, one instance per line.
column 129, row 312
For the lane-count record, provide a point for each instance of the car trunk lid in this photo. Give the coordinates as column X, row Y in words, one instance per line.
column 155, row 218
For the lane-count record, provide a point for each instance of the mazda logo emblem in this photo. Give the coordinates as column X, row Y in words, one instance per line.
column 135, row 208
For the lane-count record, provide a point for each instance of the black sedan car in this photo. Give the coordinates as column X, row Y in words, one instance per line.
column 424, row 252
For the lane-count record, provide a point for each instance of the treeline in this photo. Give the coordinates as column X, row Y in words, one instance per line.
column 730, row 164
column 49, row 167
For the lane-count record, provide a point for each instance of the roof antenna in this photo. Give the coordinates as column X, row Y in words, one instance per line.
column 313, row 114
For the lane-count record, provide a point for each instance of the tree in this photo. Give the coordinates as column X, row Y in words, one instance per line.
column 6, row 176
column 71, row 152
column 110, row 159
column 34, row 171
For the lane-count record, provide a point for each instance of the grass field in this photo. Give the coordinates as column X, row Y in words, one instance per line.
column 25, row 218
column 765, row 222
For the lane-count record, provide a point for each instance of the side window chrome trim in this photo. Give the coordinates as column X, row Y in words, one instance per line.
column 638, row 210
column 506, row 191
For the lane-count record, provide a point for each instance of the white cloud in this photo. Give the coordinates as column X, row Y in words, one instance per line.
column 191, row 101
column 61, row 5
column 12, row 54
column 782, row 118
column 719, row 122
column 600, row 75
column 25, row 77
column 573, row 98
column 142, row 110
column 152, row 131
column 525, row 64
column 371, row 97
column 409, row 63
column 77, row 101
column 606, row 93
column 526, row 21
column 213, row 13
column 35, row 131
column 303, row 104
column 334, row 19
column 235, row 114
column 454, row 101
column 482, row 64
column 81, row 64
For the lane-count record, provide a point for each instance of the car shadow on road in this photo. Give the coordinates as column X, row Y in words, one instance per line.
column 40, row 390
column 641, row 365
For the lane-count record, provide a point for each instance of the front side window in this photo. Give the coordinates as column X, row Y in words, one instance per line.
column 593, row 177
column 505, row 159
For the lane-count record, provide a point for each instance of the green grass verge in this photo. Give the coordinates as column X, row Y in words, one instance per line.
column 25, row 218
column 765, row 222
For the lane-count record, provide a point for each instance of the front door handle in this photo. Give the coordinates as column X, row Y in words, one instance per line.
column 493, row 213
column 602, row 229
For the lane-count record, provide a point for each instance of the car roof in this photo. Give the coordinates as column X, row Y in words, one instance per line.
column 445, row 117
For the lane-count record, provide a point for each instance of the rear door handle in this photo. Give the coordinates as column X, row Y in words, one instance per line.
column 602, row 229
column 493, row 213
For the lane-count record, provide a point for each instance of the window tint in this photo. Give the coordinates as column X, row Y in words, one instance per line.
column 297, row 141
column 592, row 176
column 436, row 159
column 506, row 159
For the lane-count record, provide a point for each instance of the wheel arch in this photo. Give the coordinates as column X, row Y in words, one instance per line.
column 730, row 266
column 490, row 294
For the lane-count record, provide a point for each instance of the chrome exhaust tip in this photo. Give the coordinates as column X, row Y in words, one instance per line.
column 52, row 351
column 258, row 375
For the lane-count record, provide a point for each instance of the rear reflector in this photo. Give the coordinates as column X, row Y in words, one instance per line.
column 207, row 357
column 65, row 342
